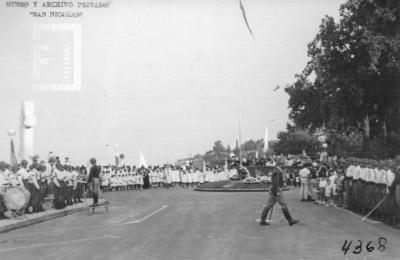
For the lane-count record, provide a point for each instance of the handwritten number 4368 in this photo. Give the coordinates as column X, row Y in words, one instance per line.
column 358, row 246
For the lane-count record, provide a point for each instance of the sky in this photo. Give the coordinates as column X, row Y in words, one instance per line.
column 162, row 77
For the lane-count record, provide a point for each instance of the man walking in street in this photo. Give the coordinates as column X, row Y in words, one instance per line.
column 276, row 196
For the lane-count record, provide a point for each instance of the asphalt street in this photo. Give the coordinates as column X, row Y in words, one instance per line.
column 181, row 223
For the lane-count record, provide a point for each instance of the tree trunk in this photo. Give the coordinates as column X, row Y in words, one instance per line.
column 366, row 128
column 366, row 136
column 384, row 129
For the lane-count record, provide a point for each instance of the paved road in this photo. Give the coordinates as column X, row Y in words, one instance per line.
column 184, row 224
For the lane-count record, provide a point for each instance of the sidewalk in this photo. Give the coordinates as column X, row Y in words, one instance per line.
column 231, row 190
column 235, row 190
column 30, row 219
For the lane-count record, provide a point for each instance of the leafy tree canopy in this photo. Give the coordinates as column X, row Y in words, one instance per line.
column 352, row 78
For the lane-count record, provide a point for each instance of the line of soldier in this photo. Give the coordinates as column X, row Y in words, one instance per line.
column 67, row 183
column 368, row 182
column 31, row 179
column 64, row 181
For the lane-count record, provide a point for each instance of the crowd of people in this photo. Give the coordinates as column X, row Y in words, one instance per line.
column 289, row 160
column 24, row 187
column 358, row 184
column 130, row 178
column 361, row 185
column 364, row 186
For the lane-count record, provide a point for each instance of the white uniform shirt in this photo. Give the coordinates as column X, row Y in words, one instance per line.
column 369, row 174
column 49, row 173
column 74, row 175
column 113, row 181
column 59, row 174
column 379, row 176
column 69, row 176
column 33, row 174
column 23, row 173
column 350, row 171
column 290, row 162
column 330, row 189
column 362, row 173
column 389, row 178
column 356, row 173
column 132, row 179
column 322, row 183
column 304, row 173
column 332, row 178
column 66, row 175
column 373, row 175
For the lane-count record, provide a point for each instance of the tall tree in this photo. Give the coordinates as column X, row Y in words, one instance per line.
column 352, row 79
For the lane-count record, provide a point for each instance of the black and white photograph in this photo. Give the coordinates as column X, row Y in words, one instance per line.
column 200, row 129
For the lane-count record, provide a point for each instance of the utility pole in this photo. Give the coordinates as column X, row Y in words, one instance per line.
column 238, row 87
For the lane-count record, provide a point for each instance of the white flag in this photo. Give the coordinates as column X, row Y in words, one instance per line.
column 142, row 161
column 266, row 140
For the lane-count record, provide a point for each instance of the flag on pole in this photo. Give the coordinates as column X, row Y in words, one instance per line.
column 266, row 140
column 245, row 18
column 142, row 161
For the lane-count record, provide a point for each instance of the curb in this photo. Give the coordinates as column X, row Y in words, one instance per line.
column 234, row 190
column 57, row 214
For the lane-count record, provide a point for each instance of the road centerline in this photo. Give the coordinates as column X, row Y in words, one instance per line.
column 93, row 226
column 148, row 216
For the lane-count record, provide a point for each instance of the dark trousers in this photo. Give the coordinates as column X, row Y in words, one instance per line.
column 77, row 193
column 56, row 192
column 3, row 207
column 347, row 192
column 94, row 187
column 59, row 195
column 361, row 197
column 43, row 190
column 271, row 202
column 354, row 196
column 380, row 194
column 339, row 198
column 68, row 194
column 35, row 198
column 42, row 194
